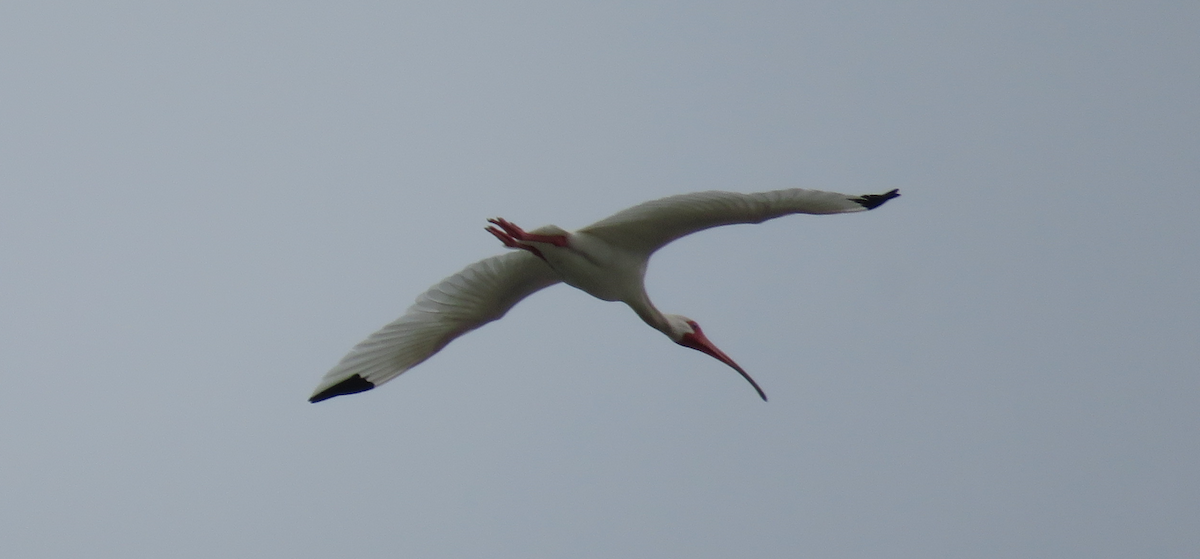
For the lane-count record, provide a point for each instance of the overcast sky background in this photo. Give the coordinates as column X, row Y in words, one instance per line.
column 204, row 205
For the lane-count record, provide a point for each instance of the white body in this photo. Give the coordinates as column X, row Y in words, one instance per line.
column 606, row 259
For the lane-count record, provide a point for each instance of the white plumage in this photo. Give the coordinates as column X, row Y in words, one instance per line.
column 606, row 259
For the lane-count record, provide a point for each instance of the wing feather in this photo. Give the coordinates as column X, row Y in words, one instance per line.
column 647, row 227
column 480, row 293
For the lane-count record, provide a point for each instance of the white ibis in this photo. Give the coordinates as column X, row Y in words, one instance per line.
column 606, row 259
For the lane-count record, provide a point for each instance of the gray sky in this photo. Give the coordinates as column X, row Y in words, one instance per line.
column 205, row 204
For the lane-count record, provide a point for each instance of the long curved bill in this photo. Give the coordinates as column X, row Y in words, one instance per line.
column 699, row 342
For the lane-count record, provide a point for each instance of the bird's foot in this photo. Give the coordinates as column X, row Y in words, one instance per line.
column 508, row 239
column 516, row 234
column 504, row 237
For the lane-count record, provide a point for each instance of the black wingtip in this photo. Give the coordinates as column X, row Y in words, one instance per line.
column 352, row 385
column 872, row 201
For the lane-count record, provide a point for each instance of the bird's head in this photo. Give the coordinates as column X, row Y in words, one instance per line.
column 687, row 333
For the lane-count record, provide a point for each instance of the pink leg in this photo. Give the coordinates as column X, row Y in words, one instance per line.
column 510, row 242
column 520, row 235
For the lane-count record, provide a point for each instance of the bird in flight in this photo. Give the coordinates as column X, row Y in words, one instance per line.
column 606, row 259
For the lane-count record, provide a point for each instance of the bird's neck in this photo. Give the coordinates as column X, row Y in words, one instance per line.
column 649, row 313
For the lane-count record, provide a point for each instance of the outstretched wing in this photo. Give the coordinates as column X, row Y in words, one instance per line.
column 647, row 227
column 479, row 294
